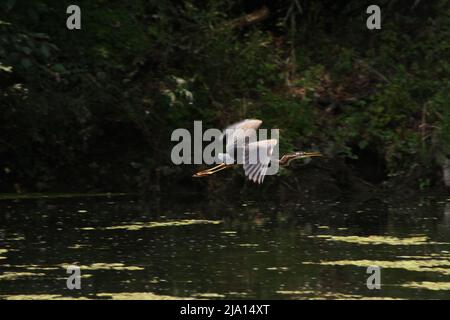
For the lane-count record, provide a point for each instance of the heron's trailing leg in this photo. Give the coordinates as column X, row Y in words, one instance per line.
column 211, row 170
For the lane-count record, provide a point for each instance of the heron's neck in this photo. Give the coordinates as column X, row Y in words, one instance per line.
column 286, row 159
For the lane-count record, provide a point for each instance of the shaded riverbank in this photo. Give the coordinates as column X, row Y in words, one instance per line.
column 94, row 111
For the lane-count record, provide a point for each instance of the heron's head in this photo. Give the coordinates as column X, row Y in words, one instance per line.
column 286, row 159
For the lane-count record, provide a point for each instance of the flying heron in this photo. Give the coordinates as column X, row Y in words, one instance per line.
column 237, row 138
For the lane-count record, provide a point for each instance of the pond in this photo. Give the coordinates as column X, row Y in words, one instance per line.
column 189, row 247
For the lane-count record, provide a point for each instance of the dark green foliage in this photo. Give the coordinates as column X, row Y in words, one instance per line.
column 94, row 109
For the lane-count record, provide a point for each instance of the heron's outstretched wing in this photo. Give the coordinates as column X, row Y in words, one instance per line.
column 237, row 134
column 257, row 157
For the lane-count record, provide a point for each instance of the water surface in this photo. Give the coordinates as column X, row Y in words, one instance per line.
column 198, row 248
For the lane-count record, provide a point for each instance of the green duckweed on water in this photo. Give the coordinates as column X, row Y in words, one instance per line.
column 156, row 224
column 18, row 275
column 26, row 196
column 209, row 295
column 31, row 267
column 432, row 265
column 387, row 240
column 77, row 246
column 104, row 266
column 39, row 297
column 442, row 255
column 248, row 245
column 16, row 238
column 109, row 296
column 428, row 285
column 237, row 294
column 230, row 233
column 139, row 296
column 277, row 269
column 315, row 295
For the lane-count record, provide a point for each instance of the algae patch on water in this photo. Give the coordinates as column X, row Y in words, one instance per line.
column 39, row 297
column 318, row 295
column 277, row 268
column 112, row 296
column 26, row 196
column 139, row 296
column 30, row 267
column 432, row 265
column 18, row 275
column 157, row 224
column 210, row 295
column 443, row 255
column 248, row 245
column 428, row 285
column 15, row 237
column 374, row 240
column 77, row 246
column 104, row 266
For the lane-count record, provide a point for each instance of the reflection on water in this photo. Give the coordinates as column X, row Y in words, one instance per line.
column 198, row 249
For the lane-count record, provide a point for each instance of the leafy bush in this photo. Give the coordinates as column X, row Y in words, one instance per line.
column 94, row 108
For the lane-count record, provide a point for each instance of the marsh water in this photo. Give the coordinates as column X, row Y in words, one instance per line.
column 189, row 247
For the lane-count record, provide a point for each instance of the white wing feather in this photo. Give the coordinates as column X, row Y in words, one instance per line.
column 236, row 133
column 257, row 158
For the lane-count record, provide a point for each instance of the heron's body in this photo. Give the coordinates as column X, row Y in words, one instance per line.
column 254, row 156
column 226, row 158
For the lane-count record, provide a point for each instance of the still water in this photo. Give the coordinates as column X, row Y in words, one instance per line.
column 197, row 248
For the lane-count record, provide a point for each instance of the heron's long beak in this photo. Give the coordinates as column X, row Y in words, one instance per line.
column 203, row 173
column 210, row 171
column 199, row 174
column 311, row 154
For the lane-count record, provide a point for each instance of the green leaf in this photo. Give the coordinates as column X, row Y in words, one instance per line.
column 45, row 51
column 4, row 68
column 26, row 50
column 362, row 144
column 9, row 4
column 59, row 68
column 26, row 63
